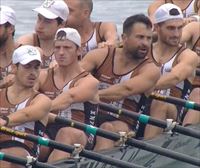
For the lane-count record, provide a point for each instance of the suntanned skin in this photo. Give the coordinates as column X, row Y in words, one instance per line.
column 190, row 37
column 46, row 30
column 22, row 88
column 124, row 61
column 79, row 18
column 6, row 50
column 169, row 34
column 66, row 54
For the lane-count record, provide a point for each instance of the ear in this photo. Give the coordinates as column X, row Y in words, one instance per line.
column 79, row 51
column 11, row 29
column 124, row 36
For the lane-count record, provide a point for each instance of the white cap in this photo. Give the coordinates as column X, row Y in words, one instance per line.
column 166, row 12
column 7, row 14
column 68, row 34
column 52, row 9
column 26, row 54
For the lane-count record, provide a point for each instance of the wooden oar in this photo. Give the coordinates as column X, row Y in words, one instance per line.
column 67, row 148
column 145, row 119
column 24, row 162
column 176, row 101
column 130, row 141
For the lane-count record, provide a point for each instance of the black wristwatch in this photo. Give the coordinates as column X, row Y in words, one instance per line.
column 6, row 119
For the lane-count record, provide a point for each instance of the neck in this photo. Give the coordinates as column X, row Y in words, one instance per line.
column 72, row 71
column 6, row 52
column 47, row 46
column 86, row 29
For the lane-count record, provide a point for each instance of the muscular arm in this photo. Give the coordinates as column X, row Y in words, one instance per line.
column 84, row 90
column 109, row 32
column 37, row 110
column 144, row 82
column 93, row 59
column 184, row 69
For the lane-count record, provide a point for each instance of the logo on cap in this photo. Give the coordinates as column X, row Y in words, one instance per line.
column 48, row 3
column 32, row 52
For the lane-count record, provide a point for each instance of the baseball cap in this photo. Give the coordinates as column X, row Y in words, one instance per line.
column 26, row 54
column 52, row 9
column 68, row 34
column 166, row 12
column 7, row 14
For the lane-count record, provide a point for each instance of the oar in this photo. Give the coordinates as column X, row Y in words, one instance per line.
column 130, row 141
column 176, row 101
column 145, row 119
column 70, row 149
column 24, row 162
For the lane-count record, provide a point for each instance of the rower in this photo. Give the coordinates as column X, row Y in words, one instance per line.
column 52, row 15
column 72, row 90
column 7, row 44
column 21, row 107
column 190, row 8
column 93, row 34
column 177, row 63
column 126, row 76
column 192, row 38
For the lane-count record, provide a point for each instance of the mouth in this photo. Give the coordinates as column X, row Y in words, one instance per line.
column 143, row 50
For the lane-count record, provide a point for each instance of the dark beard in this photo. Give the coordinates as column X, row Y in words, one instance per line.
column 3, row 40
column 135, row 54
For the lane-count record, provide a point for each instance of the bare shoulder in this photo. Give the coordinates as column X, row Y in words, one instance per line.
column 94, row 58
column 189, row 55
column 42, row 100
column 154, row 5
column 25, row 39
column 43, row 76
column 151, row 69
column 89, row 79
column 108, row 26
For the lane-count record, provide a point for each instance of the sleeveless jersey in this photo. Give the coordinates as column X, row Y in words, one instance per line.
column 107, row 77
column 189, row 10
column 93, row 40
column 82, row 112
column 36, row 128
column 46, row 60
column 182, row 89
column 196, row 48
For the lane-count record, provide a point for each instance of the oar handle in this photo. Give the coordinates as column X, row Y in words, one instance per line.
column 130, row 141
column 67, row 148
column 176, row 101
column 22, row 161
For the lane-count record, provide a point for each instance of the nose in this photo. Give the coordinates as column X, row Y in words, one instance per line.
column 61, row 51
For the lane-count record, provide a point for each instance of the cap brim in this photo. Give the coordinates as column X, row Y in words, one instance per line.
column 3, row 20
column 46, row 13
column 26, row 61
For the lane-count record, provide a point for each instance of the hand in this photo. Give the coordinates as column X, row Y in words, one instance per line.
column 104, row 44
column 7, row 81
column 2, row 122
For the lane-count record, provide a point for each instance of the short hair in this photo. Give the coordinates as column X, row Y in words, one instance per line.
column 88, row 3
column 139, row 18
column 59, row 20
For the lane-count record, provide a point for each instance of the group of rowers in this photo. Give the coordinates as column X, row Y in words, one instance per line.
column 71, row 63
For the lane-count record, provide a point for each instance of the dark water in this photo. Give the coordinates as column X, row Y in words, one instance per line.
column 104, row 10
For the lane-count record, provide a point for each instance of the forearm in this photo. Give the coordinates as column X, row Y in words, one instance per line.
column 114, row 93
column 167, row 81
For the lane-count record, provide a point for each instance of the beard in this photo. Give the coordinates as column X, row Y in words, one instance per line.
column 139, row 53
column 3, row 39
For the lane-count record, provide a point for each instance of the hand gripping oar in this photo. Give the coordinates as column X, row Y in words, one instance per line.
column 176, row 101
column 130, row 141
column 29, row 162
column 145, row 119
column 70, row 149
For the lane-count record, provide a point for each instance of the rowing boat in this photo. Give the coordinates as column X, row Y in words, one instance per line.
column 176, row 142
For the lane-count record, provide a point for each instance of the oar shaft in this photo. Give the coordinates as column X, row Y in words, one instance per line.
column 176, row 101
column 132, row 142
column 69, row 149
column 22, row 161
column 149, row 120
